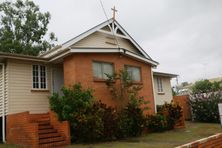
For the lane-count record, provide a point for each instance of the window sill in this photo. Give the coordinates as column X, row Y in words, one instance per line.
column 161, row 93
column 137, row 83
column 100, row 80
column 39, row 90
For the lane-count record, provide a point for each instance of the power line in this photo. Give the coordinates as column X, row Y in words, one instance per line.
column 104, row 11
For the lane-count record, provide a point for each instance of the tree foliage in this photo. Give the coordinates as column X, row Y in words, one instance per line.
column 205, row 86
column 23, row 28
column 123, row 89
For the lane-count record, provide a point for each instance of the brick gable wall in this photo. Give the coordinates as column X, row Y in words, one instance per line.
column 78, row 68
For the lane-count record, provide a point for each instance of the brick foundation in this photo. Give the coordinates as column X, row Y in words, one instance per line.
column 23, row 129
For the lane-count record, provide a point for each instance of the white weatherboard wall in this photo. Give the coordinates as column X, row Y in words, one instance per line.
column 101, row 40
column 20, row 95
column 166, row 96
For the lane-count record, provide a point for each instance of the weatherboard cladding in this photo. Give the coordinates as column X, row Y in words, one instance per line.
column 110, row 23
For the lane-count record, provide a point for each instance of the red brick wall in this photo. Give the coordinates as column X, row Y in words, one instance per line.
column 22, row 128
column 184, row 103
column 214, row 141
column 20, row 131
column 78, row 68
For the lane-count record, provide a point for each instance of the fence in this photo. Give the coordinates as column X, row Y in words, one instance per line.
column 184, row 103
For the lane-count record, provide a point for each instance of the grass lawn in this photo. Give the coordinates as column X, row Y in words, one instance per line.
column 169, row 139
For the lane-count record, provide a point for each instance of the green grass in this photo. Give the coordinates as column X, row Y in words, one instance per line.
column 168, row 139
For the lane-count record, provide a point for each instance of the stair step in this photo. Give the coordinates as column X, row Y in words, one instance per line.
column 43, row 120
column 51, row 140
column 55, row 144
column 41, row 123
column 47, row 135
column 46, row 131
column 45, row 126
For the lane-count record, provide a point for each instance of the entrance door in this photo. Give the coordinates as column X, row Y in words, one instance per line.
column 58, row 79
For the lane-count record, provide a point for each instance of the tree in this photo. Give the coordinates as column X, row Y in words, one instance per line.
column 205, row 86
column 122, row 88
column 23, row 28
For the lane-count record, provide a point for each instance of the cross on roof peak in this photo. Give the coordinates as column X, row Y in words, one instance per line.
column 114, row 12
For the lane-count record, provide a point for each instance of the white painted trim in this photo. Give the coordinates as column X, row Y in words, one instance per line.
column 76, row 50
column 132, row 40
column 3, row 102
column 39, row 77
column 98, row 28
column 154, row 94
column 60, row 56
column 23, row 58
column 110, row 33
column 112, row 50
column 141, row 58
column 104, row 50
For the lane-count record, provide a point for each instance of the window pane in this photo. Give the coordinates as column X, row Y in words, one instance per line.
column 43, row 76
column 35, row 73
column 134, row 73
column 107, row 69
column 39, row 76
column 159, row 85
column 97, row 70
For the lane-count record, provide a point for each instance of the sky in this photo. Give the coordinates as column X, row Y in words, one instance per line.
column 184, row 36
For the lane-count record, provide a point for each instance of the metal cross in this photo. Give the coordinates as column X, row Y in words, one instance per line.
column 114, row 12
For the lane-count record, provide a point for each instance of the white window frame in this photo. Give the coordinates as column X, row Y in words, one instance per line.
column 127, row 66
column 101, row 62
column 39, row 78
column 159, row 85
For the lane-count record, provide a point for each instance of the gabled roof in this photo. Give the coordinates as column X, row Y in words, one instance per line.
column 114, row 28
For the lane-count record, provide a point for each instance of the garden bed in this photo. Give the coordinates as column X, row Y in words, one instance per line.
column 168, row 139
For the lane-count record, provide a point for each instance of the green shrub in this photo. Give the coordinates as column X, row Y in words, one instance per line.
column 156, row 123
column 130, row 122
column 172, row 111
column 89, row 125
column 205, row 107
column 74, row 102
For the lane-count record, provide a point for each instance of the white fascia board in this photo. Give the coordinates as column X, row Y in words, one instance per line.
column 141, row 58
column 105, row 50
column 85, row 34
column 132, row 40
column 111, row 50
column 60, row 56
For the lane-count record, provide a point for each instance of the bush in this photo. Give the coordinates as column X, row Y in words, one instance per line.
column 205, row 107
column 130, row 121
column 172, row 113
column 98, row 123
column 156, row 123
column 74, row 102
